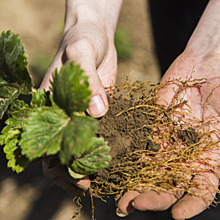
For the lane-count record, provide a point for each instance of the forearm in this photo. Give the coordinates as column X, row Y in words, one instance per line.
column 103, row 13
column 206, row 37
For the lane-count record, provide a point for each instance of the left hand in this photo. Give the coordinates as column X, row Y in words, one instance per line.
column 88, row 40
column 188, row 64
column 61, row 178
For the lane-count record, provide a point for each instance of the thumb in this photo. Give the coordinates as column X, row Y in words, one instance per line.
column 56, row 64
column 84, row 55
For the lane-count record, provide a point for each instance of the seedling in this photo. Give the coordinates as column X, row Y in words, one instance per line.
column 153, row 147
column 54, row 123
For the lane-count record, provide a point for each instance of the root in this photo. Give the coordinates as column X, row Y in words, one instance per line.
column 185, row 142
column 77, row 200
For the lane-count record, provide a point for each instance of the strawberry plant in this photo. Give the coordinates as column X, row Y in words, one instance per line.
column 153, row 147
column 53, row 123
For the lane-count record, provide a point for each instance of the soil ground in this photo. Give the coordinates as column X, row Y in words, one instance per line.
column 29, row 196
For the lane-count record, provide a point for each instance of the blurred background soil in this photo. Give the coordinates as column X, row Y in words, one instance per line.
column 29, row 196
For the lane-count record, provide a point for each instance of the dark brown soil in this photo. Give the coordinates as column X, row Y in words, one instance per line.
column 136, row 128
column 126, row 132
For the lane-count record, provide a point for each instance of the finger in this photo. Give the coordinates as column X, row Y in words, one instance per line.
column 69, row 184
column 85, row 55
column 83, row 183
column 191, row 205
column 66, row 185
column 154, row 201
column 56, row 64
column 107, row 70
column 125, row 203
column 61, row 178
column 64, row 181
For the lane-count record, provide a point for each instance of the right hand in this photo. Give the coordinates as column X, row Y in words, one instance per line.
column 203, row 102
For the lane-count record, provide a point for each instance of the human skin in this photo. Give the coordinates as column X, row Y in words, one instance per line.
column 200, row 59
column 88, row 40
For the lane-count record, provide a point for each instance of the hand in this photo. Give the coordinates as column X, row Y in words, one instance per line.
column 189, row 64
column 88, row 45
column 199, row 60
column 88, row 39
column 62, row 179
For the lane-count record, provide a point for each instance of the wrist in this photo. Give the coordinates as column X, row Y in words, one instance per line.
column 205, row 40
column 102, row 13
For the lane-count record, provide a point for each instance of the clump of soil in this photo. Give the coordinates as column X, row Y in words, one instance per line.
column 152, row 147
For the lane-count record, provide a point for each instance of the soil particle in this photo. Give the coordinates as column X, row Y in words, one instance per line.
column 125, row 133
column 146, row 143
column 189, row 136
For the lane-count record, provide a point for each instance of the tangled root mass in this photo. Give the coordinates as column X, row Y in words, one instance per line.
column 153, row 147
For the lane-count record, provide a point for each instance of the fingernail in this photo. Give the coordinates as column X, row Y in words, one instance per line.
column 133, row 204
column 97, row 107
column 83, row 183
column 119, row 213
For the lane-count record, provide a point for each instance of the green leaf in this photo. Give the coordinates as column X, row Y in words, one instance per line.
column 70, row 89
column 95, row 158
column 42, row 132
column 10, row 137
column 2, row 140
column 8, row 93
column 13, row 62
column 39, row 98
column 16, row 161
column 77, row 137
column 13, row 126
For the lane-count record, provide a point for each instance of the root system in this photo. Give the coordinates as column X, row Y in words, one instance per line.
column 155, row 147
